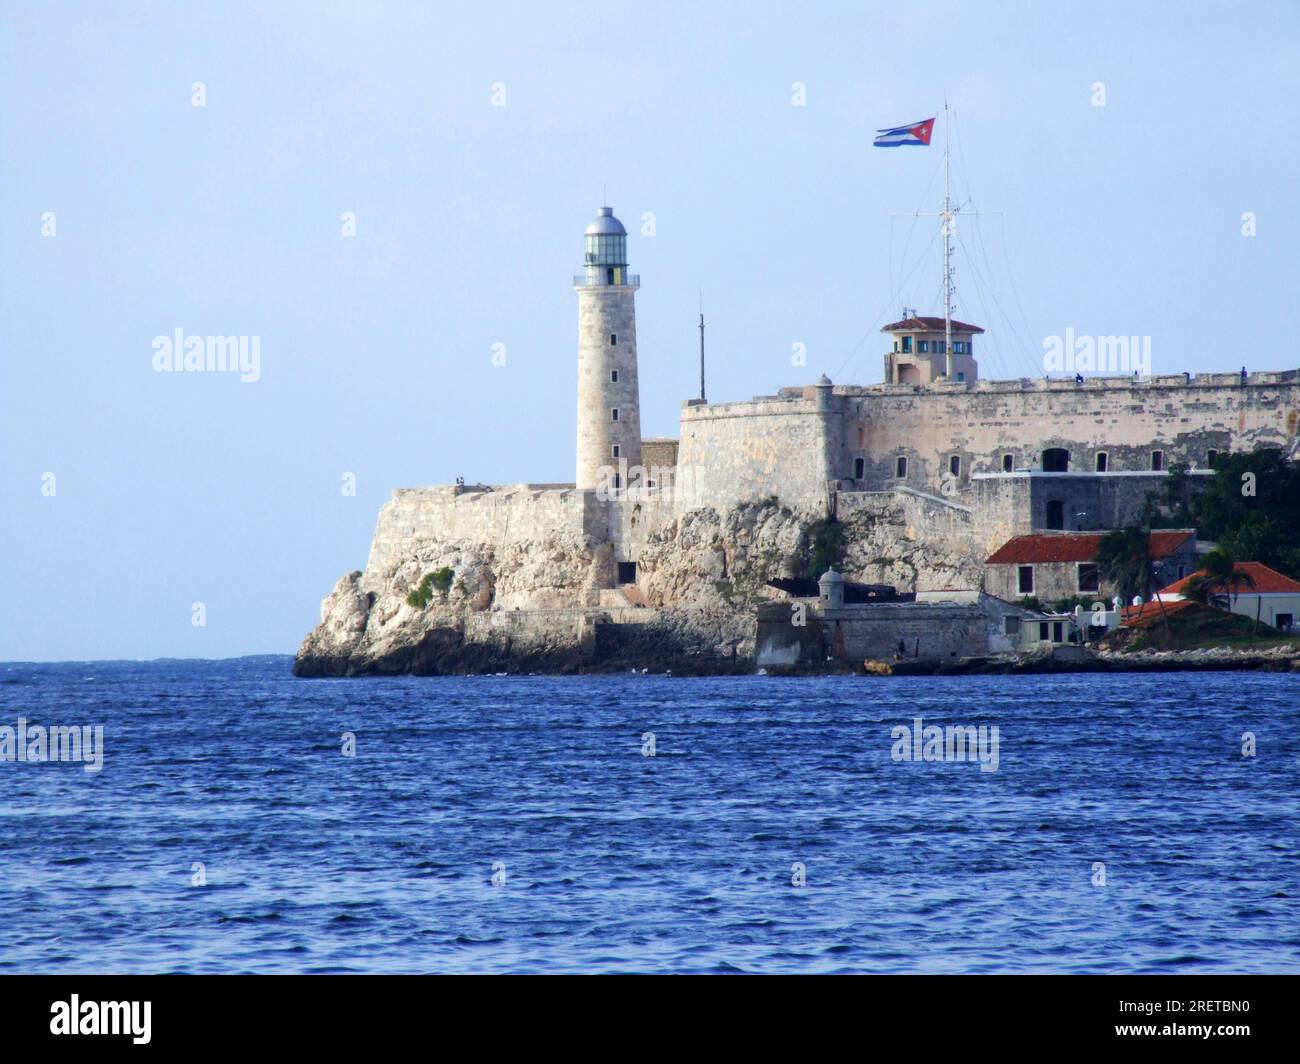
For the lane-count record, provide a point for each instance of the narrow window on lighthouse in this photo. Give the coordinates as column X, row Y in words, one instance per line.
column 616, row 450
column 613, row 376
column 613, row 339
column 614, row 414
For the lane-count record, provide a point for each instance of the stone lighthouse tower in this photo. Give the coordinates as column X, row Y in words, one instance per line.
column 609, row 407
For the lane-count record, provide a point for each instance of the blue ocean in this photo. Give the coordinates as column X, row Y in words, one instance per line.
column 641, row 823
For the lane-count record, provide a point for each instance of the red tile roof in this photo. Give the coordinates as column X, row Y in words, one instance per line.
column 1075, row 547
column 1267, row 581
column 1149, row 614
column 923, row 321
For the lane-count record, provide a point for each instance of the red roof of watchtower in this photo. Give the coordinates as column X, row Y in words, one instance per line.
column 919, row 322
column 1076, row 547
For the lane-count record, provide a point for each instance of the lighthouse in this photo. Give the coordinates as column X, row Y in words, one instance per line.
column 609, row 406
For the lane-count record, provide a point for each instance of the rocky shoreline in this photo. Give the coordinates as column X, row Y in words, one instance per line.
column 1273, row 659
column 444, row 652
column 535, row 604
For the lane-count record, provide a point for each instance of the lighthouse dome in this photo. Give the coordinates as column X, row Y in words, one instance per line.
column 605, row 224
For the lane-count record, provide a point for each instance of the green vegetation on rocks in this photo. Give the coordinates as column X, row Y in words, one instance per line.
column 439, row 581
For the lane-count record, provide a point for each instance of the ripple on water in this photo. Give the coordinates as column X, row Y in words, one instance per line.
column 611, row 861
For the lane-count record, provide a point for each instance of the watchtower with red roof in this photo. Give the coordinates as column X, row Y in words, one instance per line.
column 920, row 354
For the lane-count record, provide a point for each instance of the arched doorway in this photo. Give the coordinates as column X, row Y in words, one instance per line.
column 1056, row 460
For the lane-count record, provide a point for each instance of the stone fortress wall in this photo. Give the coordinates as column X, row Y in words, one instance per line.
column 506, row 514
column 802, row 447
column 785, row 445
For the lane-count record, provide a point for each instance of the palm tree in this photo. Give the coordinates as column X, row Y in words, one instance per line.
column 1124, row 561
column 1219, row 581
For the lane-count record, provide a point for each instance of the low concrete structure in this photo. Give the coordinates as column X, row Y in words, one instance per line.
column 934, row 628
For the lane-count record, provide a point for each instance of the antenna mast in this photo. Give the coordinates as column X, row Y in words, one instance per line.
column 702, row 347
column 948, row 227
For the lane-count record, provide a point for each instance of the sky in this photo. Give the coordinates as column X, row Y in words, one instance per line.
column 197, row 166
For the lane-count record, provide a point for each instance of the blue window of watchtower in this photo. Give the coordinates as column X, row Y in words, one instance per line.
column 613, row 339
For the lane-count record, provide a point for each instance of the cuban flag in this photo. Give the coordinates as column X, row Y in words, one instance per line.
column 917, row 134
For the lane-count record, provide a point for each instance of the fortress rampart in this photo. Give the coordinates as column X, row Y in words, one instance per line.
column 772, row 445
column 506, row 515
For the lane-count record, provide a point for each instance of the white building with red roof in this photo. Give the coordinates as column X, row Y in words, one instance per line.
column 1272, row 597
column 1051, row 566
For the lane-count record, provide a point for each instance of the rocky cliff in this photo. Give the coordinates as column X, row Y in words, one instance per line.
column 501, row 603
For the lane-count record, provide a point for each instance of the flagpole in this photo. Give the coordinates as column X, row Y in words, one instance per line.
column 947, row 249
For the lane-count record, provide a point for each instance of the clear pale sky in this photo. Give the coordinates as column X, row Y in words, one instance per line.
column 376, row 350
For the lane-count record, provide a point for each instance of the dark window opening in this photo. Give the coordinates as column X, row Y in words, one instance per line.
column 616, row 450
column 1284, row 621
column 1008, row 463
column 900, row 466
column 1212, row 459
column 859, row 468
column 609, row 275
column 1157, row 461
column 627, row 572
column 1102, row 461
column 1043, row 630
column 1056, row 460
column 1089, row 577
column 614, row 414
column 907, row 345
column 1025, row 579
column 613, row 376
column 1055, row 515
column 613, row 339
column 954, row 465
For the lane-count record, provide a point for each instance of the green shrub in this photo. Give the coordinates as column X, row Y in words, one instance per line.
column 439, row 581
column 825, row 547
